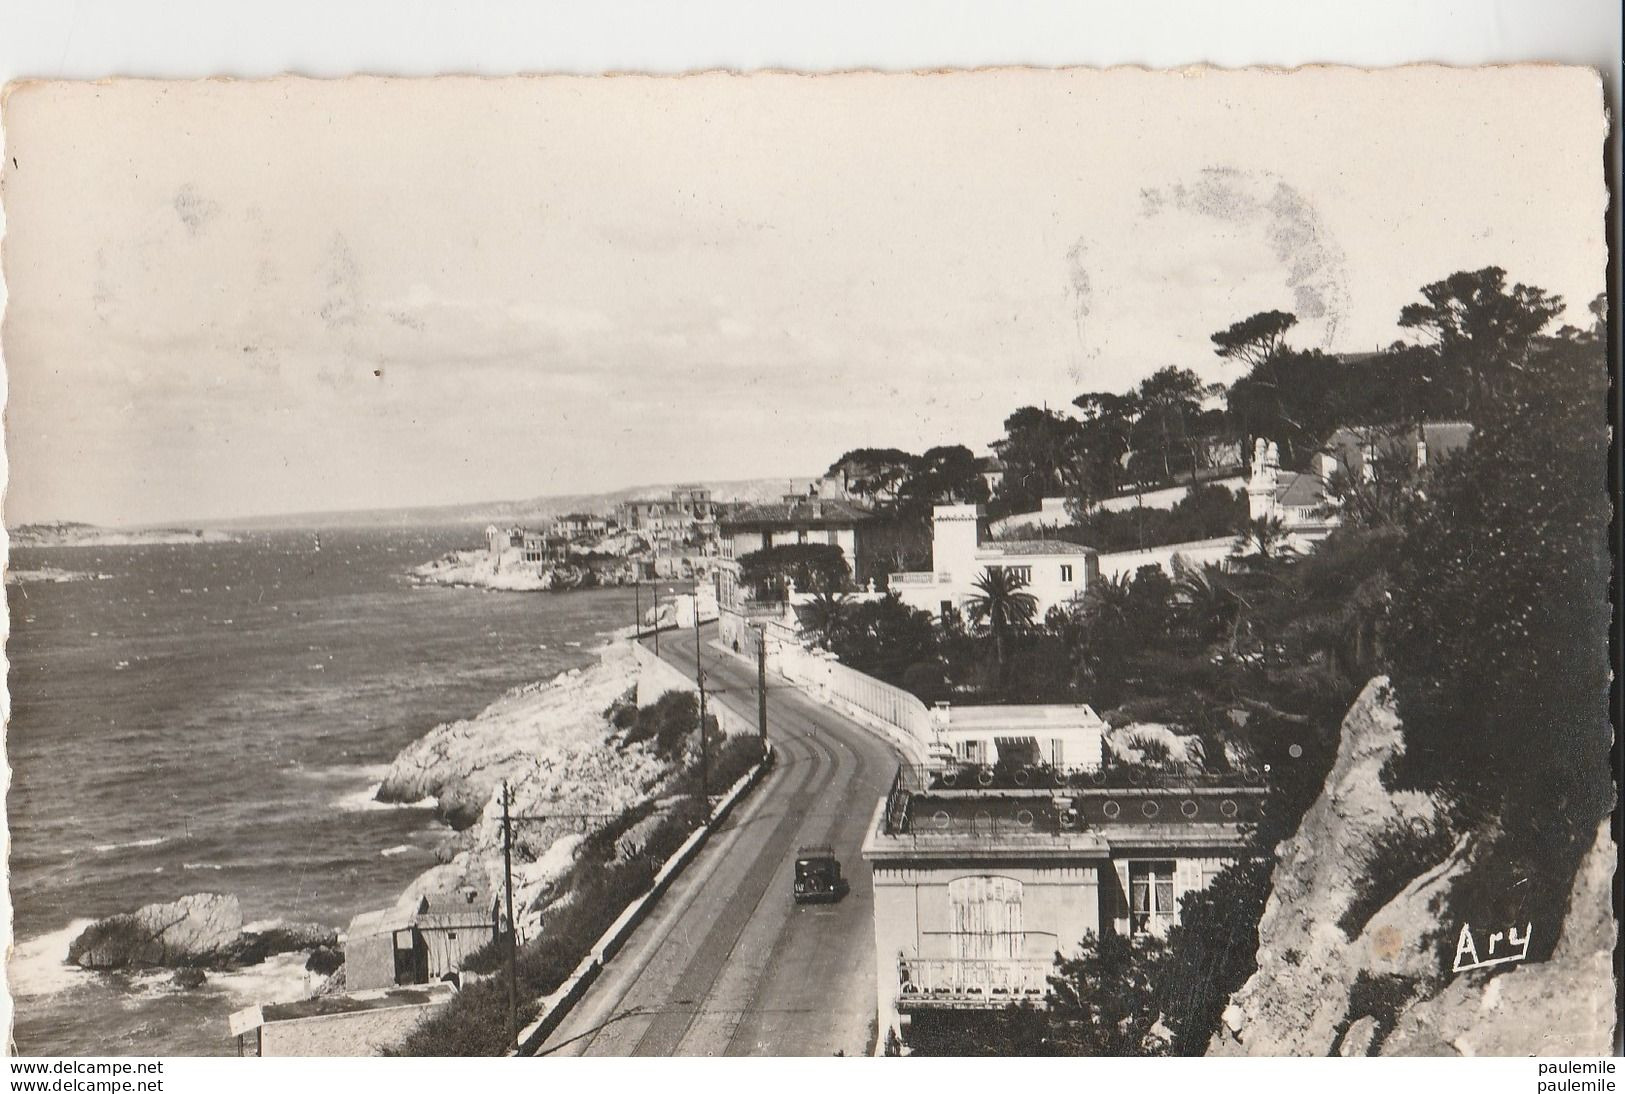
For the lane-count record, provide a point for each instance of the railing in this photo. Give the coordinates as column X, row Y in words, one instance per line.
column 970, row 981
column 913, row 577
column 933, row 778
column 890, row 705
column 1042, row 822
column 1039, row 802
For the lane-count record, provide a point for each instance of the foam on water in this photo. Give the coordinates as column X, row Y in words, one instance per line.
column 39, row 966
column 104, row 848
column 358, row 801
column 264, row 767
column 281, row 978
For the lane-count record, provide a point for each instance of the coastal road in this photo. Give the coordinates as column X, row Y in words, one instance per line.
column 727, row 964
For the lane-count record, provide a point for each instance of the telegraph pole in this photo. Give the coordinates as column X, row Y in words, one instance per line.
column 699, row 680
column 761, row 681
column 513, row 934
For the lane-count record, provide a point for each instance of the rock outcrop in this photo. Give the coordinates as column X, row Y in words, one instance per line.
column 562, row 760
column 189, row 931
column 1296, row 1003
column 201, row 931
column 479, row 569
column 1319, row 991
column 552, row 733
column 1560, row 1007
column 252, row 947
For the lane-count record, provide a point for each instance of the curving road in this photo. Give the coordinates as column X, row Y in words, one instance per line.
column 728, row 964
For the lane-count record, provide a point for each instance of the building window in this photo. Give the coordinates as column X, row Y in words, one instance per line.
column 985, row 915
column 1151, row 898
column 1020, row 573
column 1066, row 572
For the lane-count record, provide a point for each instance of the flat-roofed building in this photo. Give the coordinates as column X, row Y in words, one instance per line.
column 1026, row 738
column 976, row 890
column 357, row 1023
column 1054, row 572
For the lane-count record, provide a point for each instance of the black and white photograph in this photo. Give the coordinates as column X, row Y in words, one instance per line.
column 1025, row 562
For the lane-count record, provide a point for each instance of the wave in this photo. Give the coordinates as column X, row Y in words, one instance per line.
column 104, row 848
column 366, row 800
column 281, row 978
column 398, row 849
column 336, row 772
column 39, row 966
column 201, row 866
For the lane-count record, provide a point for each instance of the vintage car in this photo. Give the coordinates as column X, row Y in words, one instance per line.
column 818, row 876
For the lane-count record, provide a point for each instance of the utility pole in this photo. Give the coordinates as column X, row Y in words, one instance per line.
column 761, row 681
column 513, row 933
column 699, row 680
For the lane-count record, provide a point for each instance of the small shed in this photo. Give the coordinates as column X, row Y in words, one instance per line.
column 420, row 945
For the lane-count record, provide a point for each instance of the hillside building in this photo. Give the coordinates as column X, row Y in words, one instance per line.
column 1056, row 572
column 977, row 890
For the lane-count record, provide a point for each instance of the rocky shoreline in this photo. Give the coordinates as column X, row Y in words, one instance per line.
column 70, row 534
column 557, row 751
column 551, row 741
column 195, row 935
column 478, row 570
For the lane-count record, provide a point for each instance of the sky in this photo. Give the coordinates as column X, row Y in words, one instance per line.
column 245, row 298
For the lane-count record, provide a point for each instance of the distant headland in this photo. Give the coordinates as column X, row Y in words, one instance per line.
column 75, row 534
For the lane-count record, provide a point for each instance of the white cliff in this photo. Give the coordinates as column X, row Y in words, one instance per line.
column 1305, row 997
column 559, row 755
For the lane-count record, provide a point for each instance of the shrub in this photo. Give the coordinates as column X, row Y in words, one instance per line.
column 597, row 889
column 884, row 638
column 623, row 712
column 1205, row 512
column 1212, row 952
column 1498, row 635
column 1378, row 997
column 1399, row 854
column 669, row 722
column 812, row 566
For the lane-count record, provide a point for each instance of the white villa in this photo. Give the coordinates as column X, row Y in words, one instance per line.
column 977, row 889
column 1056, row 572
column 1055, row 734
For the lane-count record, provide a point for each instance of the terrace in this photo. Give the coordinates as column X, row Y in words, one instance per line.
column 1066, row 808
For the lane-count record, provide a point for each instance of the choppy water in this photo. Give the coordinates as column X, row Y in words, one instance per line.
column 214, row 717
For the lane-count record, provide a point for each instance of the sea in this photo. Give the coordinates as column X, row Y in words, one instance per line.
column 216, row 717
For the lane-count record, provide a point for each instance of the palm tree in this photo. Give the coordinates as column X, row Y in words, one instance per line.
column 1106, row 603
column 1208, row 600
column 824, row 613
column 1001, row 604
column 1262, row 538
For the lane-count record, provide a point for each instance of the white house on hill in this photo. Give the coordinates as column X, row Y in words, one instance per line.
column 1056, row 572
